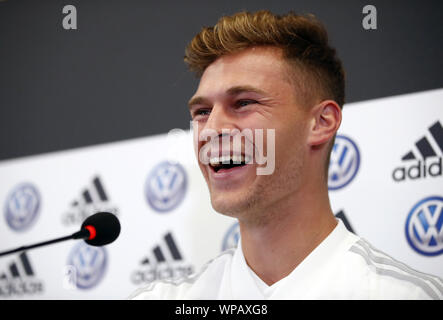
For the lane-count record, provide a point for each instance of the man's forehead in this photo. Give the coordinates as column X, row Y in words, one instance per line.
column 254, row 66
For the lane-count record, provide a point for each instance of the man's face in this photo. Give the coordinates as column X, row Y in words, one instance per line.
column 250, row 90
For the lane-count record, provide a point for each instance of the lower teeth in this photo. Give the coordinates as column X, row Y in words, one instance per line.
column 228, row 167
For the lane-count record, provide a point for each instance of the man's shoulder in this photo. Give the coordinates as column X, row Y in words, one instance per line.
column 184, row 287
column 387, row 278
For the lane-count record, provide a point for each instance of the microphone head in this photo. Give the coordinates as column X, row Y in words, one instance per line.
column 103, row 228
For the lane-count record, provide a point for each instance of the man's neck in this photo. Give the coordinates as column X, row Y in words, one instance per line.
column 275, row 247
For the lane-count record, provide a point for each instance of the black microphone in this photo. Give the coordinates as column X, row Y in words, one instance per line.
column 97, row 230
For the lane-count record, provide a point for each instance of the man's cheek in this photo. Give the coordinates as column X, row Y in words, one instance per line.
column 265, row 152
column 203, row 169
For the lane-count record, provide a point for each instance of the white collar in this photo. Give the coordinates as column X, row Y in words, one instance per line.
column 293, row 286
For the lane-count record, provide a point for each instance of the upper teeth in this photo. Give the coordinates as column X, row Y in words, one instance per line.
column 227, row 159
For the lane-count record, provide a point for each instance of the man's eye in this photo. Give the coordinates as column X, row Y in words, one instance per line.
column 244, row 102
column 202, row 112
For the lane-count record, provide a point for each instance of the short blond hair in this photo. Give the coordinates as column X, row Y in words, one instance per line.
column 303, row 39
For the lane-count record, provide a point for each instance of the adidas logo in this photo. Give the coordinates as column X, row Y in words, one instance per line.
column 425, row 159
column 341, row 215
column 172, row 248
column 19, row 279
column 165, row 262
column 92, row 199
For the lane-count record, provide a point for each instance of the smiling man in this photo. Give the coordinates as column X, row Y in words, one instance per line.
column 277, row 75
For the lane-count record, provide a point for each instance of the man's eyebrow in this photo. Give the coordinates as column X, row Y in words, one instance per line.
column 197, row 100
column 231, row 91
column 239, row 89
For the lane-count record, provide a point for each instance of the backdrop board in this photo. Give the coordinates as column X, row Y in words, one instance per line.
column 385, row 181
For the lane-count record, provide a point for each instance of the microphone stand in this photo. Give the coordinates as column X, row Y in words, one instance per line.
column 82, row 234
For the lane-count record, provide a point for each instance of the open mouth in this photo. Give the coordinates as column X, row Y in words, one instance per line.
column 228, row 162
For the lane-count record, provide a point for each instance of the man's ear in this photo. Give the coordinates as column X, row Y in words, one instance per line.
column 325, row 121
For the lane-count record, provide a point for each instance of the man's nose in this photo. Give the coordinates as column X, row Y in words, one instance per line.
column 220, row 119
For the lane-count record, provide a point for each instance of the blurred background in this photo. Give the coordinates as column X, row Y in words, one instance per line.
column 121, row 75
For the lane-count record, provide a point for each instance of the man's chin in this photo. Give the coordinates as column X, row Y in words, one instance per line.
column 228, row 206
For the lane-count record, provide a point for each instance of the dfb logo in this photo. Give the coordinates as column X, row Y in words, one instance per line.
column 344, row 162
column 22, row 207
column 231, row 237
column 89, row 264
column 424, row 226
column 166, row 186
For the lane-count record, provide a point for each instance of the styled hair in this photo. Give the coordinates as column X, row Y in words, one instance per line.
column 303, row 40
